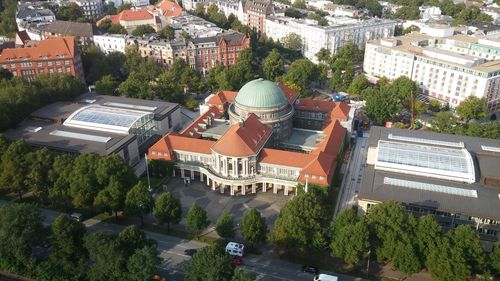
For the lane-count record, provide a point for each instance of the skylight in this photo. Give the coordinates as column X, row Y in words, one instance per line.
column 431, row 187
column 80, row 136
column 426, row 141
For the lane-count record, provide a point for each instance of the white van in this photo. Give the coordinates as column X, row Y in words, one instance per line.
column 325, row 277
column 235, row 249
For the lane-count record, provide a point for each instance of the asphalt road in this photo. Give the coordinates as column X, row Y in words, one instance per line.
column 267, row 267
column 351, row 183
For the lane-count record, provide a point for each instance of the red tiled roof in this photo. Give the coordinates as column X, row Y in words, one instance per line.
column 53, row 47
column 165, row 147
column 128, row 15
column 222, row 98
column 291, row 94
column 169, row 8
column 336, row 110
column 321, row 166
column 244, row 139
column 335, row 135
column 284, row 158
column 194, row 128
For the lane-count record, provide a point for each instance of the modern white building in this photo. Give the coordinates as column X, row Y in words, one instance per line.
column 332, row 37
column 449, row 69
column 427, row 12
column 92, row 9
column 195, row 26
column 109, row 43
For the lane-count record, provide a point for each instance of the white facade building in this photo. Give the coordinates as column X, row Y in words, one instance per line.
column 92, row 9
column 109, row 43
column 427, row 12
column 333, row 37
column 449, row 69
column 31, row 14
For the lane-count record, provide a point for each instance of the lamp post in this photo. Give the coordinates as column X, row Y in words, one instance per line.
column 147, row 171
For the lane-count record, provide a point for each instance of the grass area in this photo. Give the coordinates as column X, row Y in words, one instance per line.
column 156, row 182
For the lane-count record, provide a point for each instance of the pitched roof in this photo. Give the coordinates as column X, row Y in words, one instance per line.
column 331, row 144
column 323, row 165
column 222, row 98
column 233, row 39
column 128, row 15
column 165, row 147
column 52, row 47
column 169, row 8
column 291, row 94
column 71, row 28
column 244, row 139
column 23, row 36
column 335, row 110
column 201, row 123
column 285, row 158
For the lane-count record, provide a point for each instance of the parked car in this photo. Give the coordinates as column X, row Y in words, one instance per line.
column 310, row 269
column 158, row 277
column 190, row 252
column 237, row 261
column 76, row 216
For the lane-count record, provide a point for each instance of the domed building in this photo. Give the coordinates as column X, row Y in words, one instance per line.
column 258, row 139
column 268, row 101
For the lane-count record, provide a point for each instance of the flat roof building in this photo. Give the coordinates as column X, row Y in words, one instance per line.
column 99, row 124
column 454, row 178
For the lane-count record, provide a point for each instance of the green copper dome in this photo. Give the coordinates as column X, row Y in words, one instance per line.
column 261, row 93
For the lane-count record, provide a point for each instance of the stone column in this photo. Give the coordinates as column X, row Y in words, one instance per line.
column 182, row 173
column 264, row 187
column 286, row 190
column 235, row 167
column 208, row 181
column 232, row 190
column 201, row 176
column 173, row 173
column 222, row 187
column 243, row 189
column 192, row 175
column 214, row 185
column 254, row 188
column 275, row 188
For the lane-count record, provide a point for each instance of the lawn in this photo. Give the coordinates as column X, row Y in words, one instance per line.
column 156, row 182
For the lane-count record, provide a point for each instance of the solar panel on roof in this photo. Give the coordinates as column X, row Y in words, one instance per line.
column 431, row 187
column 426, row 141
column 80, row 136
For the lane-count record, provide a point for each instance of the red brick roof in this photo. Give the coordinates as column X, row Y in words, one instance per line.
column 244, row 139
column 291, row 94
column 285, row 158
column 165, row 147
column 335, row 110
column 128, row 15
column 54, row 47
column 196, row 126
column 169, row 8
column 222, row 99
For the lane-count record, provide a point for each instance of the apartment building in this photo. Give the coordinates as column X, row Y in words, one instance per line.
column 91, row 9
column 132, row 18
column 257, row 12
column 449, row 69
column 30, row 13
column 332, row 37
column 109, row 43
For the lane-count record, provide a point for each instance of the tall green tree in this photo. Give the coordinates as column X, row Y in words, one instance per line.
column 254, row 227
column 302, row 73
column 324, row 55
column 197, row 218
column 82, row 180
column 466, row 240
column 443, row 122
column 143, row 29
column 350, row 237
column 108, row 260
column 210, row 263
column 138, row 201
column 358, row 85
column 130, row 239
column 273, row 65
column 21, row 229
column 167, row 32
column 37, row 179
column 242, row 275
column 142, row 264
column 428, row 234
column 225, row 225
column 472, row 108
column 58, row 176
column 112, row 197
column 447, row 263
column 293, row 41
column 167, row 209
column 68, row 251
column 70, row 12
column 107, row 85
column 15, row 167
column 494, row 258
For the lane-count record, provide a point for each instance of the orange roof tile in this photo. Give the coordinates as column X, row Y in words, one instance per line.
column 335, row 110
column 321, row 166
column 335, row 135
column 193, row 128
column 165, row 147
column 244, row 139
column 128, row 15
column 285, row 158
column 291, row 94
column 222, row 98
column 169, row 8
column 53, row 47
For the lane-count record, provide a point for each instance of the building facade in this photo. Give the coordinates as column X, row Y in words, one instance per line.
column 333, row 37
column 255, row 148
column 453, row 178
column 53, row 55
column 109, row 43
column 91, row 9
column 257, row 12
column 32, row 14
column 132, row 18
column 449, row 69
column 82, row 32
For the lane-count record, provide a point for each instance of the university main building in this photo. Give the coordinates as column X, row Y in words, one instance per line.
column 261, row 138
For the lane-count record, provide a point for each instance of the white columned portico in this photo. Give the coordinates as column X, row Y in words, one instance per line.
column 192, row 174
column 182, row 173
column 214, row 185
column 243, row 189
column 264, row 187
column 232, row 190
column 254, row 188
column 201, row 176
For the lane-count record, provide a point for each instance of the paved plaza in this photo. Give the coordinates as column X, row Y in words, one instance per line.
column 267, row 203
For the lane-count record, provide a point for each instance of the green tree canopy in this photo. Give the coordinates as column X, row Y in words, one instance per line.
column 82, row 180
column 197, row 218
column 358, row 85
column 350, row 241
column 138, row 201
column 324, row 55
column 466, row 240
column 142, row 29
column 70, row 12
column 472, row 108
column 210, row 263
column 302, row 73
column 167, row 209
column 446, row 263
column 225, row 225
column 167, row 32
column 15, row 167
column 107, row 85
column 494, row 258
column 254, row 227
column 142, row 264
column 40, row 163
column 68, row 251
column 293, row 41
column 471, row 15
column 273, row 65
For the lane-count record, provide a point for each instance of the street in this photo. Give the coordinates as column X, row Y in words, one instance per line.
column 352, row 179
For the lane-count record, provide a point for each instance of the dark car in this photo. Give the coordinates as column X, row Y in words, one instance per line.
column 310, row 269
column 190, row 252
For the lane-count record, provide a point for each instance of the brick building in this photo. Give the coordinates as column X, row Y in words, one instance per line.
column 53, row 55
column 256, row 14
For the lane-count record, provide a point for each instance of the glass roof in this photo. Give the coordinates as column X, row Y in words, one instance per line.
column 80, row 136
column 431, row 187
column 102, row 118
column 425, row 160
column 427, row 141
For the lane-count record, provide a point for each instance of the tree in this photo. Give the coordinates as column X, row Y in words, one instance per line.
column 58, row 177
column 301, row 222
column 358, row 85
column 494, row 258
column 138, row 201
column 82, row 180
column 405, row 259
column 70, row 12
column 302, row 73
column 443, row 122
column 254, row 227
column 419, row 108
column 472, row 108
column 20, row 230
column 167, row 209
column 40, row 163
column 142, row 264
column 427, row 234
column 142, row 29
column 130, row 239
column 350, row 241
column 408, row 13
column 210, row 263
column 15, row 167
column 5, row 74
column 68, row 251
column 8, row 24
column 167, row 32
column 273, row 65
column 466, row 240
column 107, row 85
column 378, row 105
column 197, row 218
column 123, row 7
column 112, row 197
column 434, row 106
column 293, row 41
column 446, row 263
column 324, row 55
column 109, row 261
column 225, row 225
column 110, row 9
column 299, row 4
column 242, row 275
column 471, row 15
